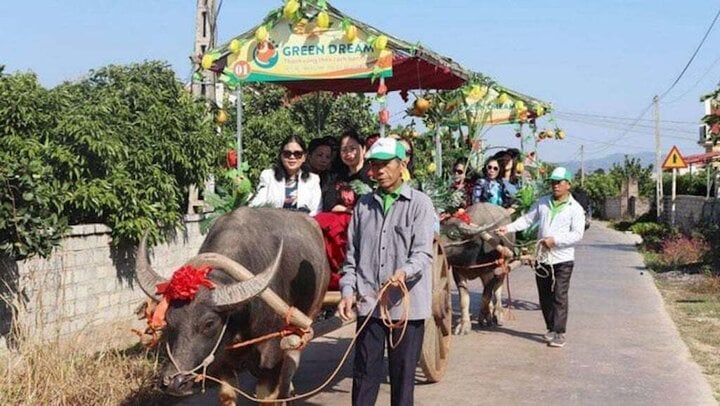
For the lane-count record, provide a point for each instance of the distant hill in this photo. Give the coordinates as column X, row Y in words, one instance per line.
column 646, row 158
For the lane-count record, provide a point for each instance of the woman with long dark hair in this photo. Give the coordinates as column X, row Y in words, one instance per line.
column 340, row 195
column 289, row 184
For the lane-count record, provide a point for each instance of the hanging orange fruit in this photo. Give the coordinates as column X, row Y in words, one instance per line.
column 221, row 117
column 421, row 106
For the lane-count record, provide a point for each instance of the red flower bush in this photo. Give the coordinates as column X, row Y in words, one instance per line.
column 683, row 250
column 185, row 283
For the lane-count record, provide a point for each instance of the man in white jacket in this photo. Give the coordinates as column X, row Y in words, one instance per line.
column 561, row 224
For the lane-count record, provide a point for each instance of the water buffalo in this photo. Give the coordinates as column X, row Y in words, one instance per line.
column 467, row 245
column 285, row 251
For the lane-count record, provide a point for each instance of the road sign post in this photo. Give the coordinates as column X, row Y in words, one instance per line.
column 674, row 160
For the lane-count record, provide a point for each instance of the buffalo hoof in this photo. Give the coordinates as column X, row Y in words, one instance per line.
column 462, row 329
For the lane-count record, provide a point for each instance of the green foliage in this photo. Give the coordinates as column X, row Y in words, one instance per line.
column 687, row 184
column 653, row 234
column 119, row 147
column 633, row 169
column 600, row 186
column 32, row 194
column 269, row 117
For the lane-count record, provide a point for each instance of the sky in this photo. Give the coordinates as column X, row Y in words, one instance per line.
column 598, row 62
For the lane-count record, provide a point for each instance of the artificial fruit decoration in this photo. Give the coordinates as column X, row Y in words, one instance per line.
column 261, row 34
column 503, row 98
column 384, row 116
column 380, row 43
column 560, row 134
column 350, row 33
column 382, row 89
column 518, row 134
column 323, row 20
column 235, row 46
column 290, row 9
column 520, row 106
column 519, row 168
column 207, row 61
column 431, row 168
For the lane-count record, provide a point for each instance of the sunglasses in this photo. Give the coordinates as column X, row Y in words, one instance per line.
column 492, row 168
column 293, row 154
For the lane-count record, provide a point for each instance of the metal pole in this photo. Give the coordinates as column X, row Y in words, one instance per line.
column 239, row 105
column 438, row 152
column 658, row 163
column 672, row 206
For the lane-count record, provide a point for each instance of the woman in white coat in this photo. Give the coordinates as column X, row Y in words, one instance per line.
column 289, row 184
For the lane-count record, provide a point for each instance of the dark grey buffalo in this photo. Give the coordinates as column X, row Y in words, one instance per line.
column 468, row 245
column 285, row 251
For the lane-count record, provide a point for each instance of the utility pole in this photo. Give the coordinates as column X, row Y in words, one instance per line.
column 582, row 165
column 658, row 163
column 204, row 86
column 205, row 31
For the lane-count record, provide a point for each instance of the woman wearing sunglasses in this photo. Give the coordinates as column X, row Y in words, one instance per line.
column 289, row 183
column 490, row 188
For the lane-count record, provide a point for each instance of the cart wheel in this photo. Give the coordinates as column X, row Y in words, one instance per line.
column 436, row 341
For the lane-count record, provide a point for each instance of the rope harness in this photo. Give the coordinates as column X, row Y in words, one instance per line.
column 383, row 302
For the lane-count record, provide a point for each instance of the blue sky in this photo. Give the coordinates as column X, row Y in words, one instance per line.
column 596, row 58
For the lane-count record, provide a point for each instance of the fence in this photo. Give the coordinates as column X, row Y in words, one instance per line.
column 86, row 284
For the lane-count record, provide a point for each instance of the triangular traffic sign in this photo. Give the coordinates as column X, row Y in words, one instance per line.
column 674, row 160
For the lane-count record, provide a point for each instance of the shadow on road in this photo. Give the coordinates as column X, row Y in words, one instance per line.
column 537, row 337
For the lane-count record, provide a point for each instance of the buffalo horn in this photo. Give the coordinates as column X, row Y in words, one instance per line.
column 144, row 274
column 232, row 295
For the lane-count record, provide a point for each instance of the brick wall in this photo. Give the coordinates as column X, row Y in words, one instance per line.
column 87, row 283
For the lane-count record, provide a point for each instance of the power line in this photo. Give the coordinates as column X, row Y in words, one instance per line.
column 710, row 68
column 577, row 113
column 617, row 126
column 687, row 65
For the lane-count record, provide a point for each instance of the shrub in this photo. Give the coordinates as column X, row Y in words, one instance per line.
column 684, row 250
column 653, row 234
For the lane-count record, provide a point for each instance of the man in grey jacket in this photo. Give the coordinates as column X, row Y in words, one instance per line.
column 561, row 224
column 389, row 239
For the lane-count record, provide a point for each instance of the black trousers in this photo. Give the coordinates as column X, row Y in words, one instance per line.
column 554, row 299
column 369, row 371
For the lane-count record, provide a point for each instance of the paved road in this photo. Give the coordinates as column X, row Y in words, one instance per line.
column 622, row 346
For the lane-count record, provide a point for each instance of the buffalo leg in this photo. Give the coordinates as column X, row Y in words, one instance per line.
column 464, row 326
column 497, row 309
column 485, row 315
column 291, row 361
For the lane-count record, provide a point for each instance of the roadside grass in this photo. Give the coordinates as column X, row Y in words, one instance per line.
column 693, row 302
column 84, row 368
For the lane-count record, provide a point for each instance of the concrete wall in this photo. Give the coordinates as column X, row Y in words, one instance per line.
column 86, row 283
column 691, row 211
column 618, row 208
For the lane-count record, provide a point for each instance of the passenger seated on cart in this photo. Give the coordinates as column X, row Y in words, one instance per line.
column 340, row 194
column 491, row 188
column 320, row 158
column 339, row 197
column 289, row 183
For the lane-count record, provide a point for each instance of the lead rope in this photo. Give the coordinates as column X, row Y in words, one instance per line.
column 402, row 323
column 542, row 255
column 205, row 362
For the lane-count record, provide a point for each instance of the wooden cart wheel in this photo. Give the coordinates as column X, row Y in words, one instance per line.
column 436, row 342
